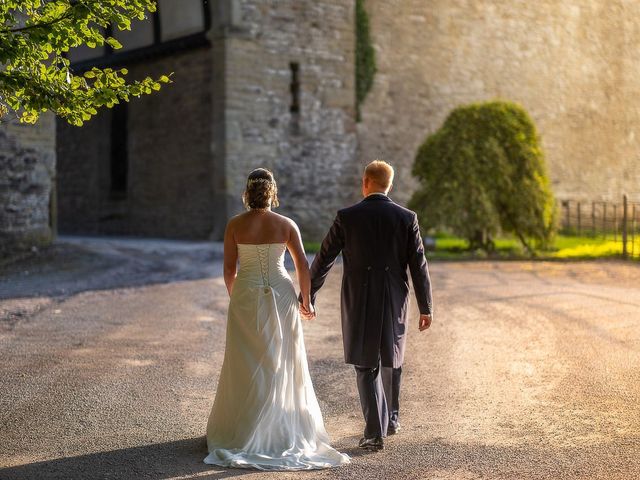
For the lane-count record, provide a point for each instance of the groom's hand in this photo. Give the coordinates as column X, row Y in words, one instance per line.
column 425, row 322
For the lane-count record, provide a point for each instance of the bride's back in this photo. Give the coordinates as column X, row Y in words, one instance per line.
column 260, row 227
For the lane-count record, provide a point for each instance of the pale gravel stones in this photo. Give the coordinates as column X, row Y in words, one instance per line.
column 530, row 371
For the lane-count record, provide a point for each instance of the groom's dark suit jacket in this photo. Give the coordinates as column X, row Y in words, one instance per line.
column 379, row 240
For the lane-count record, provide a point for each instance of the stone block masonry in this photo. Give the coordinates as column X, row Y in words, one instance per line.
column 27, row 184
column 170, row 167
column 574, row 65
column 290, row 106
column 274, row 86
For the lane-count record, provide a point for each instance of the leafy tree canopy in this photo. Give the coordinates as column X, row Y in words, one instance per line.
column 483, row 172
column 35, row 75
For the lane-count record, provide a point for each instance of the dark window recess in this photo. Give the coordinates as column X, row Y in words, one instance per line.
column 157, row 37
column 295, row 87
column 187, row 30
column 119, row 150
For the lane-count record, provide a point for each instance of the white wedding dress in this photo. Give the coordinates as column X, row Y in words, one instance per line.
column 266, row 415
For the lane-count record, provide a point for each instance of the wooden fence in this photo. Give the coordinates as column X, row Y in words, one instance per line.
column 617, row 220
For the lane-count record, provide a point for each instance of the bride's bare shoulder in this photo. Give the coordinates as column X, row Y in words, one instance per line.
column 285, row 220
column 238, row 217
column 236, row 220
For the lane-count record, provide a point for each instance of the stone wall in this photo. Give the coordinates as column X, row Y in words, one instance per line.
column 27, row 172
column 192, row 145
column 172, row 167
column 574, row 65
column 311, row 152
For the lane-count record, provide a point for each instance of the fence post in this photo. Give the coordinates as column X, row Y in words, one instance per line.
column 593, row 219
column 579, row 220
column 633, row 231
column 567, row 206
column 604, row 219
column 624, row 225
column 615, row 222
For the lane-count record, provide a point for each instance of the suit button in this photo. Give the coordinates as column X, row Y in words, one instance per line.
column 369, row 267
column 386, row 269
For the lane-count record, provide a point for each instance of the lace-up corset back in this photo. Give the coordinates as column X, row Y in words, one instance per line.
column 262, row 263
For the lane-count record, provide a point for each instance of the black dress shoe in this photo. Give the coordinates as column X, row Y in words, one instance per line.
column 393, row 430
column 374, row 443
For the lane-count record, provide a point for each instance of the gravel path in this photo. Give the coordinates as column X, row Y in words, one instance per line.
column 110, row 352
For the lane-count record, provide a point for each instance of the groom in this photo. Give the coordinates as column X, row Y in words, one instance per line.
column 378, row 240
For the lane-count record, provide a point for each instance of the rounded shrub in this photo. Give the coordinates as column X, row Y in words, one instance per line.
column 483, row 173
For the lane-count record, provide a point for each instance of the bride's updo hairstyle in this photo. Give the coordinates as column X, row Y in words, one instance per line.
column 261, row 190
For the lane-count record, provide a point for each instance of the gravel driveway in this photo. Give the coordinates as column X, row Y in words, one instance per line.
column 110, row 351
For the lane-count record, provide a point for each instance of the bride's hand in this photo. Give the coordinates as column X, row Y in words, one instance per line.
column 312, row 312
column 307, row 311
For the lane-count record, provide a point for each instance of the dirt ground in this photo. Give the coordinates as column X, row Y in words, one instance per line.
column 110, row 351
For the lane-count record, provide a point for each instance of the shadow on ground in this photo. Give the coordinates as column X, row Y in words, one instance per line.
column 157, row 461
column 402, row 457
column 78, row 264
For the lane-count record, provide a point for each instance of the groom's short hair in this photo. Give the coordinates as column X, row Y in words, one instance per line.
column 380, row 173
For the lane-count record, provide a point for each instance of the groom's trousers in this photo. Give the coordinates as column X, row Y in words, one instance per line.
column 391, row 382
column 379, row 389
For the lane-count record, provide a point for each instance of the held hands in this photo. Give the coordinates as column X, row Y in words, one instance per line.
column 425, row 322
column 307, row 311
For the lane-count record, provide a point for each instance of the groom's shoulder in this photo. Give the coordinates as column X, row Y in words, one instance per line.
column 377, row 208
column 401, row 214
column 352, row 210
column 409, row 214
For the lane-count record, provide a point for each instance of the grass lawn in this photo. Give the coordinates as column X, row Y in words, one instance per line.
column 565, row 247
column 311, row 247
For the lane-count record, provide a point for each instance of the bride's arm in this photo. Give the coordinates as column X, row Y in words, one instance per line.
column 230, row 257
column 302, row 265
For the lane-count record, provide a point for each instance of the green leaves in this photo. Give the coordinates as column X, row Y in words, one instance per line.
column 113, row 43
column 36, row 35
column 483, row 172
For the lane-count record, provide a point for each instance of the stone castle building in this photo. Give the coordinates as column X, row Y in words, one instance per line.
column 255, row 84
column 271, row 83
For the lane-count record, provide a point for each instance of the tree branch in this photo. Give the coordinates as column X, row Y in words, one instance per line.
column 39, row 25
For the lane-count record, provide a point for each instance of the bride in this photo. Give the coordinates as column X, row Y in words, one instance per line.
column 266, row 415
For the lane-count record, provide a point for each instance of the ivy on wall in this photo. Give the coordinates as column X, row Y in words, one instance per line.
column 365, row 56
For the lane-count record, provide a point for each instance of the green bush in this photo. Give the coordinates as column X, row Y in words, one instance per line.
column 483, row 173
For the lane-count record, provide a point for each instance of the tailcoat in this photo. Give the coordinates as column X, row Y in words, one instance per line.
column 379, row 241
